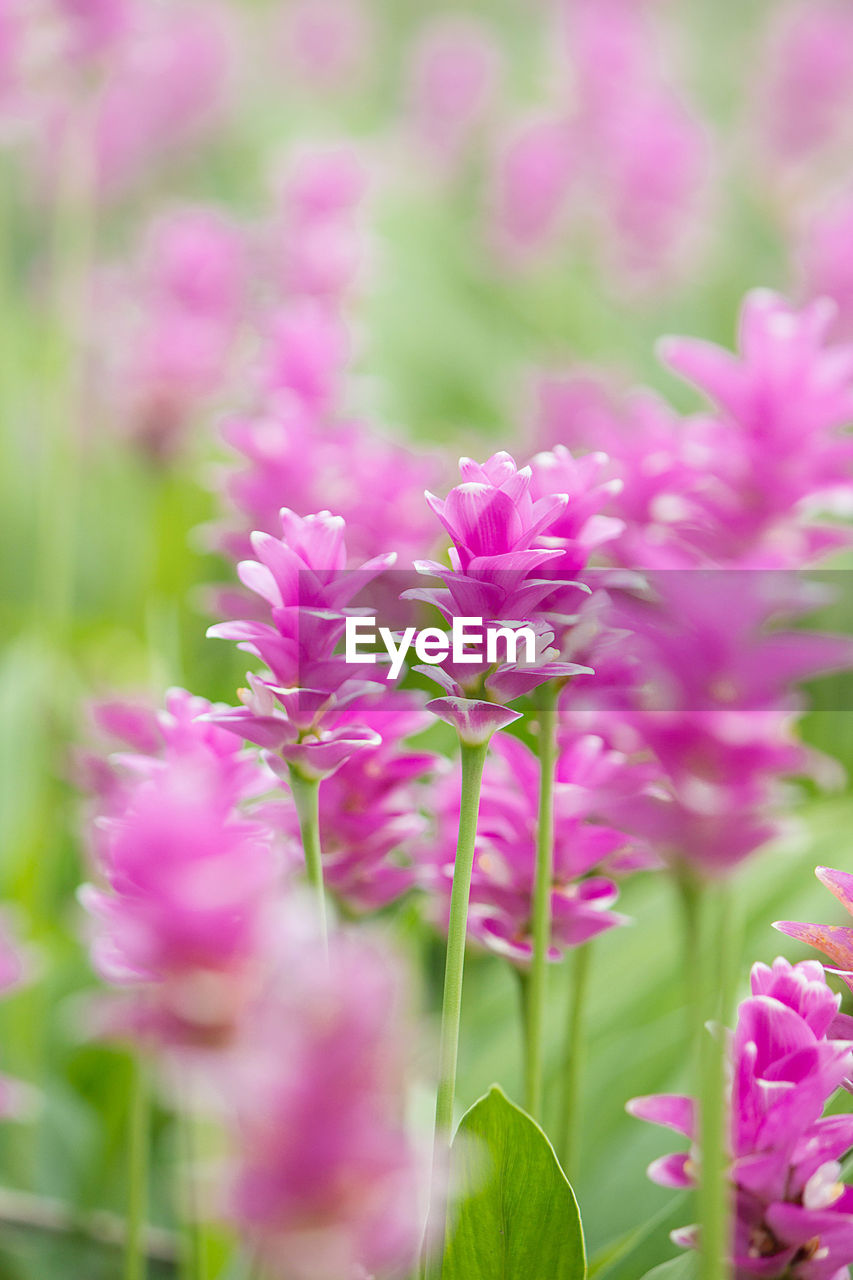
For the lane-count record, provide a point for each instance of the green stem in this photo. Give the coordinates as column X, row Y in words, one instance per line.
column 194, row 1255
column 306, row 797
column 135, row 1264
column 572, row 1073
column 473, row 760
column 542, row 886
column 709, row 961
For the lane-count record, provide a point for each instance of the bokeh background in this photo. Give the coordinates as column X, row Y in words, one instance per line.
column 541, row 188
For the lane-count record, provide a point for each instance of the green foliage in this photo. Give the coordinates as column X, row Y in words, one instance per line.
column 518, row 1218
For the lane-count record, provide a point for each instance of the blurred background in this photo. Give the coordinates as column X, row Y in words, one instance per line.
column 449, row 212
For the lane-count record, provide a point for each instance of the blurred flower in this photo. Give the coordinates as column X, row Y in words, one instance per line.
column 784, row 399
column 654, row 162
column 825, row 260
column 163, row 80
column 667, row 465
column 454, row 79
column 805, row 101
column 166, row 359
column 716, row 704
column 325, row 43
column 178, row 733
column 536, row 169
column 305, row 356
column 743, row 484
column 181, row 906
column 792, row 1214
column 716, row 506
column 94, row 27
column 289, row 459
column 314, row 242
column 587, row 849
column 631, row 155
column 325, row 1178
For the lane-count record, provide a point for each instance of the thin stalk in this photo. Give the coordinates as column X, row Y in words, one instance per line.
column 573, row 1056
column 542, row 885
column 707, row 930
column 473, row 760
column 306, row 797
column 135, row 1261
column 193, row 1255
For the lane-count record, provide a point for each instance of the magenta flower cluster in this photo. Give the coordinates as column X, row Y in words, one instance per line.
column 792, row 1214
column 418, row 211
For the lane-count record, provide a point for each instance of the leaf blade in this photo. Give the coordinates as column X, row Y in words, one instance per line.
column 518, row 1217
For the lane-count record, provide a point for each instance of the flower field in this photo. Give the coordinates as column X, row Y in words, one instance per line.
column 426, row 498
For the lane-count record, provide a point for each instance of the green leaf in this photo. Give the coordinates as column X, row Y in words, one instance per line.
column 518, row 1218
column 684, row 1267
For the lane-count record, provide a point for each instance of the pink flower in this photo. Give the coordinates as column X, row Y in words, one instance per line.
column 537, row 170
column 806, row 98
column 455, row 76
column 304, row 712
column 182, row 907
column 184, row 880
column 165, row 359
column 793, row 1215
column 314, row 241
column 784, row 400
column 652, row 158
column 306, row 354
column 510, row 562
column 195, row 260
column 473, row 719
column 95, row 27
column 162, row 85
column 148, row 737
column 579, row 530
column 667, row 465
column 307, row 581
column 325, row 1178
column 645, row 153
column 715, row 705
column 288, row 458
column 325, row 43
column 740, row 485
column 492, row 512
column 587, row 849
column 826, row 261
